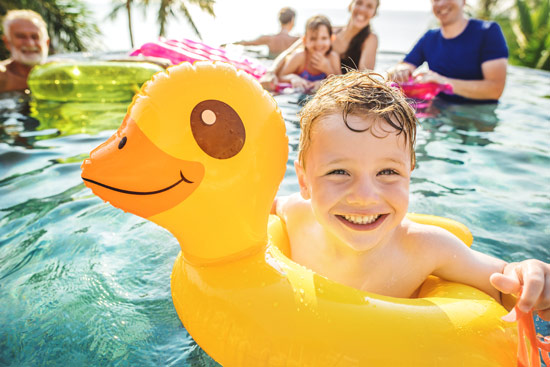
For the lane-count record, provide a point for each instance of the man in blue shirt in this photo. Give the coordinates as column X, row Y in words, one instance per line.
column 469, row 54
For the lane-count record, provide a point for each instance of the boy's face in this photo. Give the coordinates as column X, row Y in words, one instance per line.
column 358, row 183
column 318, row 40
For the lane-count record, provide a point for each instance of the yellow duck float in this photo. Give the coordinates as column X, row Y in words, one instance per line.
column 201, row 152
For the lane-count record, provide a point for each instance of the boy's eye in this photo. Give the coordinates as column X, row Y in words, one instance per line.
column 388, row 171
column 338, row 172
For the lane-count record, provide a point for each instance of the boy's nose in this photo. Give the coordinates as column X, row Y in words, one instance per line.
column 363, row 192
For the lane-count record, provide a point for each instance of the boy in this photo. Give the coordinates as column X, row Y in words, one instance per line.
column 348, row 222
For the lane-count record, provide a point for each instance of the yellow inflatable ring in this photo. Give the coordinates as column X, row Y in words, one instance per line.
column 201, row 152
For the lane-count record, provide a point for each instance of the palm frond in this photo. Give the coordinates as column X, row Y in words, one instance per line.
column 524, row 17
column 542, row 19
column 114, row 11
column 183, row 9
column 208, row 5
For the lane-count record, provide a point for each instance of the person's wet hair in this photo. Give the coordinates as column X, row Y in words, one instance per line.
column 361, row 93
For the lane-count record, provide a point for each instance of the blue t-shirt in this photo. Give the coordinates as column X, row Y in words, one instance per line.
column 460, row 57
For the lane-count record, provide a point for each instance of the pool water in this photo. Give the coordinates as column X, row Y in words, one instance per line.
column 82, row 283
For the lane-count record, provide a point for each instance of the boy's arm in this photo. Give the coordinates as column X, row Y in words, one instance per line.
column 456, row 262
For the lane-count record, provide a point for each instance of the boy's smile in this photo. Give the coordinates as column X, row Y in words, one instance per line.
column 362, row 222
column 358, row 182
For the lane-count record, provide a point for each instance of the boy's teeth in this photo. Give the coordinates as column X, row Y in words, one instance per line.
column 361, row 219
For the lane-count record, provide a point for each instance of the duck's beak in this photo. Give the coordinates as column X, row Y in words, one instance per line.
column 133, row 174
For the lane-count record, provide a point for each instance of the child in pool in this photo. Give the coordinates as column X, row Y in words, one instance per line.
column 348, row 221
column 308, row 67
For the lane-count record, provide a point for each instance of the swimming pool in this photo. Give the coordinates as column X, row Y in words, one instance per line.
column 82, row 283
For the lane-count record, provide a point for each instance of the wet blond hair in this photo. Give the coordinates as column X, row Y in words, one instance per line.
column 24, row 14
column 359, row 93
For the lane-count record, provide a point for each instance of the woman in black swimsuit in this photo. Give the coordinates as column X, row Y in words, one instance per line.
column 355, row 43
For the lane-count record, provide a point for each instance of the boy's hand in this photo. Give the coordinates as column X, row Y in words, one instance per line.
column 532, row 278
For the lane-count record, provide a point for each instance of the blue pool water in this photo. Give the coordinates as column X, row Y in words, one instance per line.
column 82, row 283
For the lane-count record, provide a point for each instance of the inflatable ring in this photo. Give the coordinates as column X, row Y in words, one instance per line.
column 90, row 81
column 202, row 152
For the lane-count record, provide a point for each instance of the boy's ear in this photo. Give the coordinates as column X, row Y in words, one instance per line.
column 302, row 180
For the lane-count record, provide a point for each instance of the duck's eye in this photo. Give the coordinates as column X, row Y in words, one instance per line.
column 217, row 129
column 122, row 142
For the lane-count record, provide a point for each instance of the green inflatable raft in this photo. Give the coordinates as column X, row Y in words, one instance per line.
column 90, row 81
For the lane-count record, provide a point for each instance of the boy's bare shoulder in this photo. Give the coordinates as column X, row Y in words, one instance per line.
column 429, row 237
column 290, row 205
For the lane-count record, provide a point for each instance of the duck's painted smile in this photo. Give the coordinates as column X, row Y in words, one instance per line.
column 183, row 179
column 127, row 168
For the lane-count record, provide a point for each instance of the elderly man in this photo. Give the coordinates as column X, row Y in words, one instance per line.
column 26, row 38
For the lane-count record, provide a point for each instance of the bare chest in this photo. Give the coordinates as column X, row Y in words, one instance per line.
column 395, row 275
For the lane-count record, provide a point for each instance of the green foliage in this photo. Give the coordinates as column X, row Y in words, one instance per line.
column 68, row 23
column 526, row 27
column 166, row 9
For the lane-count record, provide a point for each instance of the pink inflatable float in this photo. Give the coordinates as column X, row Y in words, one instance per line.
column 188, row 50
column 424, row 91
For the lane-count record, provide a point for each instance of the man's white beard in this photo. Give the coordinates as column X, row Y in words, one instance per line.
column 30, row 59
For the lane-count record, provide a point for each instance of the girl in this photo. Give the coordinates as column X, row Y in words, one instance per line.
column 355, row 43
column 307, row 68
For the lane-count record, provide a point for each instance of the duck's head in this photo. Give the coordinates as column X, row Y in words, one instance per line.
column 201, row 152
